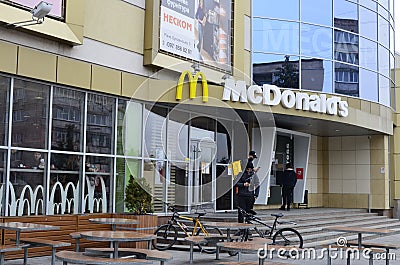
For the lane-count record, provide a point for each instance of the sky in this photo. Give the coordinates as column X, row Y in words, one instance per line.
column 397, row 25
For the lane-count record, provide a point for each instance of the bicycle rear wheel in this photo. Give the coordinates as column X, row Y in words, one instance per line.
column 211, row 246
column 166, row 236
column 288, row 237
column 240, row 236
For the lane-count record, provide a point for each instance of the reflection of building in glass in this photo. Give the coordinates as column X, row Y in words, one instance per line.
column 346, row 50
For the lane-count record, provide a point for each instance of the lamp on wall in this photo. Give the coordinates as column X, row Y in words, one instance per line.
column 196, row 67
column 38, row 13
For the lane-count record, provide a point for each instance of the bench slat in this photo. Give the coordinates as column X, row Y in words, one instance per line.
column 45, row 242
column 151, row 254
column 80, row 258
column 377, row 245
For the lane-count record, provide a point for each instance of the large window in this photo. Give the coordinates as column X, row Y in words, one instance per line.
column 57, row 9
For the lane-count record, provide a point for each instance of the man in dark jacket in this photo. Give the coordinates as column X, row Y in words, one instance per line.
column 289, row 181
column 248, row 190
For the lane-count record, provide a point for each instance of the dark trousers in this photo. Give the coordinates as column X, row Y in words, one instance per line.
column 246, row 203
column 287, row 196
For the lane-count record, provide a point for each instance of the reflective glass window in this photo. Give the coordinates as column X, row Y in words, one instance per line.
column 223, row 188
column 393, row 95
column 4, row 105
column 129, row 128
column 223, row 142
column 178, row 134
column 368, row 54
column 277, row 9
column 67, row 119
column 392, row 46
column 155, row 178
column 97, row 183
column 371, row 4
column 316, row 41
column 64, row 183
column 384, row 3
column 100, row 124
column 368, row 22
column 275, row 36
column 27, row 173
column 317, row 12
column 383, row 30
column 383, row 59
column 178, row 186
column 316, row 75
column 384, row 90
column 346, row 47
column 346, row 15
column 383, row 12
column 392, row 66
column 368, row 85
column 346, row 79
column 125, row 168
column 30, row 114
column 155, row 131
column 3, row 177
column 279, row 70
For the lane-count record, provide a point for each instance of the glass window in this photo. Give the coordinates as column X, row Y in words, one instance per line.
column 368, row 22
column 4, row 104
column 100, row 124
column 346, row 15
column 383, row 57
column 64, row 184
column 276, row 9
column 346, row 47
column 30, row 114
column 129, row 130
column 392, row 66
column 3, row 178
column 384, row 91
column 383, row 30
column 67, row 120
column 392, row 46
column 178, row 134
column 316, row 75
column 154, row 176
column 318, row 12
column 384, row 3
column 316, row 41
column 223, row 188
column 57, row 8
column 346, row 79
column 27, row 174
column 97, row 196
column 177, row 186
column 274, row 68
column 223, row 142
column 275, row 36
column 371, row 4
column 125, row 168
column 368, row 54
column 393, row 95
column 155, row 131
column 368, row 85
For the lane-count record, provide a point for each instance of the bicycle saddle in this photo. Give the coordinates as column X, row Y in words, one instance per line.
column 201, row 214
column 277, row 214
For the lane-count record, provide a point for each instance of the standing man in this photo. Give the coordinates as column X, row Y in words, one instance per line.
column 248, row 190
column 289, row 181
column 250, row 159
column 201, row 19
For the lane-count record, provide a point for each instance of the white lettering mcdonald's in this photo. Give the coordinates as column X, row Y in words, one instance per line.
column 272, row 95
column 192, row 85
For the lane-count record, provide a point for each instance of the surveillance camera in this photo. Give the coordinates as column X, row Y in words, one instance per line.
column 41, row 10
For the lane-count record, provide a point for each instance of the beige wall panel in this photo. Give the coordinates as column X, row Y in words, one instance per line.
column 396, row 143
column 349, row 143
column 76, row 11
column 106, row 80
column 336, row 200
column 36, row 64
column 362, row 201
column 397, row 189
column 115, row 22
column 376, row 172
column 8, row 55
column 130, row 83
column 349, row 186
column 379, row 187
column 377, row 142
column 354, row 103
column 74, row 73
column 379, row 202
column 396, row 163
column 350, row 200
column 365, row 106
column 377, row 157
column 375, row 108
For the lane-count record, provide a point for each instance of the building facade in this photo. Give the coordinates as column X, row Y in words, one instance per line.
column 101, row 91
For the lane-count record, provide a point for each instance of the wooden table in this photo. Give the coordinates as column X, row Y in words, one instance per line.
column 228, row 226
column 359, row 231
column 117, row 236
column 114, row 222
column 26, row 227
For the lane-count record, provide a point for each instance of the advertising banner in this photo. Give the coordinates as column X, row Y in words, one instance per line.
column 199, row 30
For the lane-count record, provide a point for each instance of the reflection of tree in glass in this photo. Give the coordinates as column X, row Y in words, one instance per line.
column 288, row 75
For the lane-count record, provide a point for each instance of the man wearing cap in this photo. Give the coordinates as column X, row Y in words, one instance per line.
column 250, row 158
column 248, row 190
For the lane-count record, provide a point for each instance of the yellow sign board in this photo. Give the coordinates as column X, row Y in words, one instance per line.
column 236, row 167
column 192, row 85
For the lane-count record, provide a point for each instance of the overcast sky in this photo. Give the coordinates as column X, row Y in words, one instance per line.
column 397, row 24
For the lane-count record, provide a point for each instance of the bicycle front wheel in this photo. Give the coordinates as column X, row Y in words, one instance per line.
column 166, row 236
column 288, row 237
column 211, row 245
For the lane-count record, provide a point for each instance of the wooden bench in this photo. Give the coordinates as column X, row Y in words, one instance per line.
column 149, row 254
column 346, row 249
column 385, row 246
column 40, row 242
column 197, row 240
column 79, row 258
column 77, row 236
column 4, row 249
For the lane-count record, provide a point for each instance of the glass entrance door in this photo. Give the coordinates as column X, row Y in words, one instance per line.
column 202, row 153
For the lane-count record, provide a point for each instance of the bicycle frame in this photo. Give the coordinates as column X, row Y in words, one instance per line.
column 196, row 224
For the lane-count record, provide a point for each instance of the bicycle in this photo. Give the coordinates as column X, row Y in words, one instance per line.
column 286, row 236
column 167, row 234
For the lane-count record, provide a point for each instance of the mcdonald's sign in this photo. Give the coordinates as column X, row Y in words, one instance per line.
column 192, row 85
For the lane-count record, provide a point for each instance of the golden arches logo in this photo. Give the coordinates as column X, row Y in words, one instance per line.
column 192, row 85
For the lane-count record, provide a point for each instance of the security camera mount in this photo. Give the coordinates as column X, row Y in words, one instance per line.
column 38, row 14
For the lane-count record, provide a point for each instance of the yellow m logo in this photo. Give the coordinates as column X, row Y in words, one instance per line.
column 192, row 85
